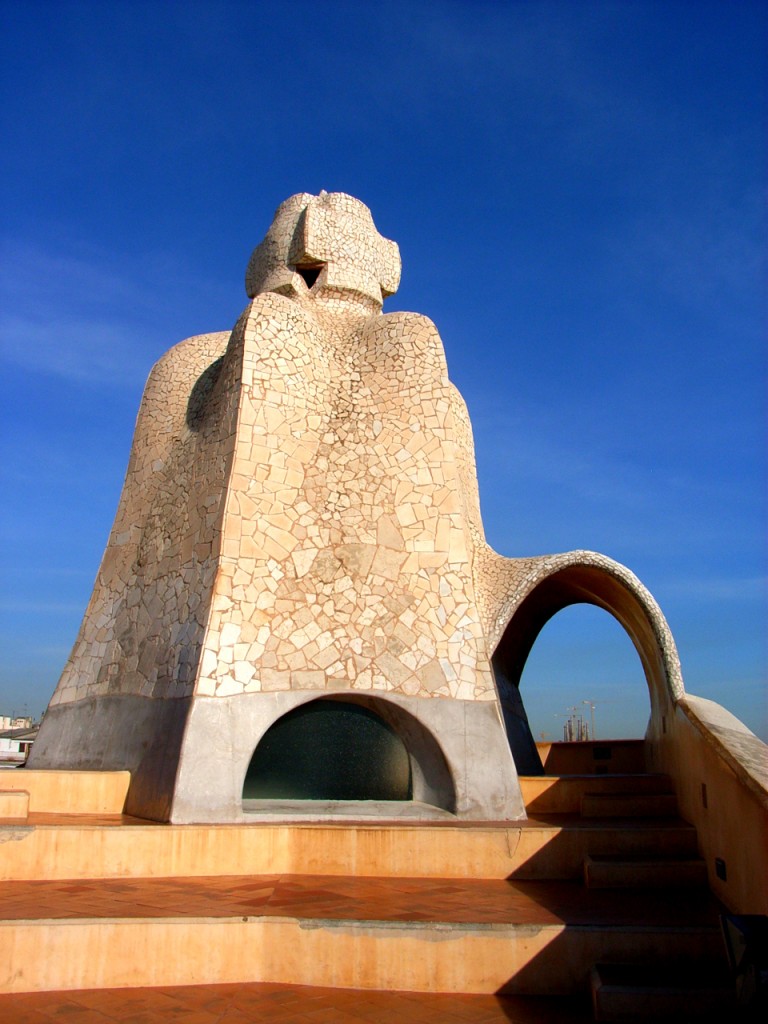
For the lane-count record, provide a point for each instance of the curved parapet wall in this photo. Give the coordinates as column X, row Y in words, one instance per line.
column 720, row 771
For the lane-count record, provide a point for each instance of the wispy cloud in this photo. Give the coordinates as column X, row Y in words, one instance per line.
column 88, row 351
column 716, row 588
column 529, row 453
column 78, row 318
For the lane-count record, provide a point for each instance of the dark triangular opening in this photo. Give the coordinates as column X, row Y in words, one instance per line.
column 309, row 273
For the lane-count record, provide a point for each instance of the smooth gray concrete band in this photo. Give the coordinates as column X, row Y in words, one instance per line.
column 121, row 732
column 469, row 771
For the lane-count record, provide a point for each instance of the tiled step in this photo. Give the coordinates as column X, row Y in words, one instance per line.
column 428, row 935
column 562, row 794
column 621, row 872
column 629, row 805
column 288, row 1003
column 562, row 853
column 677, row 991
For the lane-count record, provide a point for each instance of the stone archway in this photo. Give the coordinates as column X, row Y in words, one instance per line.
column 582, row 578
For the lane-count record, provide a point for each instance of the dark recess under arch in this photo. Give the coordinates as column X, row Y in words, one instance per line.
column 358, row 748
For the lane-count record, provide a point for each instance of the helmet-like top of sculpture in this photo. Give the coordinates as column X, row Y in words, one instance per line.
column 324, row 244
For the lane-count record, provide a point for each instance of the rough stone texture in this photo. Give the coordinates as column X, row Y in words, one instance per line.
column 300, row 519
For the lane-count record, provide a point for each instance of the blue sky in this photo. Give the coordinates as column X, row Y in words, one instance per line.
column 577, row 192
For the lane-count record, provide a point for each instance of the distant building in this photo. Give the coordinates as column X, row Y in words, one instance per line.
column 9, row 722
column 16, row 742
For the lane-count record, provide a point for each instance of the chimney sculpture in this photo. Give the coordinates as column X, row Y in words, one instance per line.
column 296, row 601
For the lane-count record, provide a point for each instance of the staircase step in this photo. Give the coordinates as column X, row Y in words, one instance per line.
column 593, row 757
column 554, row 847
column 629, row 805
column 270, row 1002
column 620, row 872
column 559, row 852
column 562, row 794
column 430, row 935
column 682, row 991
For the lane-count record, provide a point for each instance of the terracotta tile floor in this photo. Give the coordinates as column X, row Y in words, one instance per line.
column 245, row 1004
column 461, row 901
column 445, row 900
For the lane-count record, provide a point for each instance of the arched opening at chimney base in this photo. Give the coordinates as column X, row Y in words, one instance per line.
column 330, row 750
column 349, row 754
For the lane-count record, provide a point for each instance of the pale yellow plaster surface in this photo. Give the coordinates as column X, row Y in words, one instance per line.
column 540, row 959
column 64, row 792
column 532, row 850
column 14, row 804
column 720, row 770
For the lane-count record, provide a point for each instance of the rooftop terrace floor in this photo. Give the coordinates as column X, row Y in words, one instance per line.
column 320, row 897
column 283, row 1004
